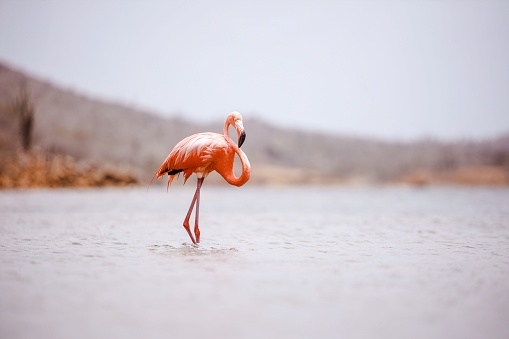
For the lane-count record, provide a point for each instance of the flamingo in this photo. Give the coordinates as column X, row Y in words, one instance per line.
column 203, row 153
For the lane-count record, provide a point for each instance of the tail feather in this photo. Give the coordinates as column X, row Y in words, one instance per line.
column 170, row 179
column 161, row 172
column 152, row 181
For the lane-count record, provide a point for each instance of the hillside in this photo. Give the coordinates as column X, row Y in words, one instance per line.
column 118, row 137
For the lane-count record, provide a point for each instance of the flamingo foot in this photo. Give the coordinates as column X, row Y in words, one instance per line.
column 197, row 233
column 188, row 229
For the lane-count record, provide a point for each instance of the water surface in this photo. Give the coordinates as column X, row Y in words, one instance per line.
column 305, row 262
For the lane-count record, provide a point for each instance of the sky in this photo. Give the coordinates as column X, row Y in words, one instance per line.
column 393, row 69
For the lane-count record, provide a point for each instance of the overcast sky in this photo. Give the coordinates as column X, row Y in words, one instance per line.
column 390, row 69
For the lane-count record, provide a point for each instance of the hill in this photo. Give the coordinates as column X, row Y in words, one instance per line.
column 127, row 139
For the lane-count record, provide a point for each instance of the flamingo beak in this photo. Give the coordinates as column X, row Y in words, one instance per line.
column 242, row 137
column 240, row 132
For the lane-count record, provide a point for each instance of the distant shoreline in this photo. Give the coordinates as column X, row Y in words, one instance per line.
column 36, row 170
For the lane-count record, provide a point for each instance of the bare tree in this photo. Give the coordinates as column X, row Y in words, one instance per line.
column 23, row 107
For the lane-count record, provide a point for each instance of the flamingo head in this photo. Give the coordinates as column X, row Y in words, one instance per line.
column 235, row 119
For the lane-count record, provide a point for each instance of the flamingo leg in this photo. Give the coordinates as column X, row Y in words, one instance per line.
column 188, row 216
column 197, row 211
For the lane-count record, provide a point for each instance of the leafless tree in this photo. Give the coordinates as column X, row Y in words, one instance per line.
column 22, row 106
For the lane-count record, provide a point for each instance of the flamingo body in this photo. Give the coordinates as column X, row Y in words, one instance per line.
column 203, row 153
column 198, row 153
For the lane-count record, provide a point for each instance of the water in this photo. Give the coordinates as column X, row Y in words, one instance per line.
column 303, row 262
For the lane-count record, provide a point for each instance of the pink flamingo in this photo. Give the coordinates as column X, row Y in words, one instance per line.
column 203, row 153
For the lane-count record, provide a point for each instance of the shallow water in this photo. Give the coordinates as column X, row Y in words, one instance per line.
column 306, row 262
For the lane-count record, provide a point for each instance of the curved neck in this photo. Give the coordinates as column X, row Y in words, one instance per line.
column 225, row 130
column 246, row 169
column 229, row 176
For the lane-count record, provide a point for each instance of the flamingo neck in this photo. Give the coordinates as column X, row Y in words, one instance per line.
column 225, row 130
column 246, row 170
column 246, row 166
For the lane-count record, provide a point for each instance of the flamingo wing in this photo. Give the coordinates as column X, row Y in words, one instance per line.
column 194, row 154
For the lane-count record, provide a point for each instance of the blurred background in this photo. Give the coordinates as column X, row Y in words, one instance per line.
column 97, row 93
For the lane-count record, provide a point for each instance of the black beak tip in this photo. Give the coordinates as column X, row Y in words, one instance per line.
column 242, row 137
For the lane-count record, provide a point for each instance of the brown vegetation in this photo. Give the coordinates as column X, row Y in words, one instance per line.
column 28, row 170
column 472, row 175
